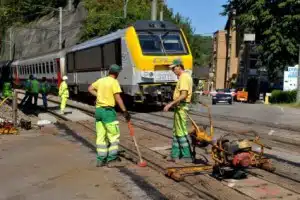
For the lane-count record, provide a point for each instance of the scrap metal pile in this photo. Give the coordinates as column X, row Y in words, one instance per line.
column 7, row 127
column 230, row 154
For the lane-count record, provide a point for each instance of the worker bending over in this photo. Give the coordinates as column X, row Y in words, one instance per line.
column 181, row 150
column 64, row 94
column 107, row 90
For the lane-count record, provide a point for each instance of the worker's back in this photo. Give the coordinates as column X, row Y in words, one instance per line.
column 35, row 86
column 106, row 88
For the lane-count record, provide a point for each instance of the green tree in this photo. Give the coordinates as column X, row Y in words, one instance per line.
column 276, row 25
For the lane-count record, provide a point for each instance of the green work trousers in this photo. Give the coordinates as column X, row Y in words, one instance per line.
column 108, row 134
column 180, row 145
column 63, row 103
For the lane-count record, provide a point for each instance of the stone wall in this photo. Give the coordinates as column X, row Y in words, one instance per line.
column 42, row 36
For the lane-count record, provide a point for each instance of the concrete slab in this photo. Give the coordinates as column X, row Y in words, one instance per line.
column 260, row 189
column 70, row 113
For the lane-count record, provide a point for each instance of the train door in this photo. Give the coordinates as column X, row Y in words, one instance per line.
column 58, row 72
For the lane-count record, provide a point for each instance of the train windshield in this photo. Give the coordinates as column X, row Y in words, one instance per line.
column 162, row 43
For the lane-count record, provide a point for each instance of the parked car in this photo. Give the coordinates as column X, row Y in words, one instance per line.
column 223, row 96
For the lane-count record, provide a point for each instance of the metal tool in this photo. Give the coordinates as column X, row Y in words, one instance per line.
column 142, row 163
column 231, row 156
column 178, row 173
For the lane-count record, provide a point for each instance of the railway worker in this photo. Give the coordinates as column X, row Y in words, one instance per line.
column 107, row 90
column 7, row 90
column 64, row 94
column 28, row 95
column 35, row 88
column 45, row 88
column 181, row 150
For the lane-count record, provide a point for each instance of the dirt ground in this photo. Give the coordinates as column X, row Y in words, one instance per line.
column 46, row 164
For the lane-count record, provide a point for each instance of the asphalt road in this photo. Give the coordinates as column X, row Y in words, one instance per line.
column 259, row 112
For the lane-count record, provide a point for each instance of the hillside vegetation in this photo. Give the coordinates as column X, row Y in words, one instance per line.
column 103, row 18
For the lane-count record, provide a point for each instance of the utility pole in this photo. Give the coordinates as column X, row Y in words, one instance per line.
column 154, row 10
column 10, row 44
column 298, row 82
column 70, row 5
column 125, row 8
column 60, row 27
column 161, row 14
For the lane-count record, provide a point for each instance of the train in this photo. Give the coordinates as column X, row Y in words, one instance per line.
column 144, row 49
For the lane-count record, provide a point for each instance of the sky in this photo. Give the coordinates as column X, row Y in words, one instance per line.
column 204, row 14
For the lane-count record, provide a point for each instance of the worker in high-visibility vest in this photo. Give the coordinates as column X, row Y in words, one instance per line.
column 35, row 88
column 107, row 90
column 64, row 94
column 45, row 88
column 7, row 90
column 28, row 95
column 181, row 149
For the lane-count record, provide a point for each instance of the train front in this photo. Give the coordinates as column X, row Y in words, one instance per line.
column 153, row 46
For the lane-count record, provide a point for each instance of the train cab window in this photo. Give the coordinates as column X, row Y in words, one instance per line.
column 47, row 67
column 40, row 68
column 44, row 68
column 51, row 67
column 162, row 43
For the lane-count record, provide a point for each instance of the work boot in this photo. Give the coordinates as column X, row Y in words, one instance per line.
column 115, row 163
column 100, row 163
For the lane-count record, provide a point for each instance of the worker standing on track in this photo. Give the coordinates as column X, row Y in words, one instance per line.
column 181, row 150
column 35, row 88
column 64, row 94
column 107, row 90
column 45, row 88
column 28, row 94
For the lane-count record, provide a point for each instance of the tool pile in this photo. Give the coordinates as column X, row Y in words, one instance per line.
column 230, row 155
column 7, row 127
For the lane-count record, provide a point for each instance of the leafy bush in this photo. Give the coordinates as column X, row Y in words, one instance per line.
column 279, row 96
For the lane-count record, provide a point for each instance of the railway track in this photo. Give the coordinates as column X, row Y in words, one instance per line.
column 152, row 135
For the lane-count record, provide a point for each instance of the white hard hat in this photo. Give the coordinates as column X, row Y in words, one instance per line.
column 65, row 78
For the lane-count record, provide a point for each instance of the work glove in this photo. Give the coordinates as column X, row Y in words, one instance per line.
column 127, row 116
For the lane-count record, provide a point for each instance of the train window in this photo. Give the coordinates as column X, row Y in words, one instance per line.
column 44, row 68
column 28, row 72
column 51, row 67
column 33, row 69
column 40, row 68
column 37, row 68
column 47, row 67
column 70, row 61
column 88, row 59
column 111, row 54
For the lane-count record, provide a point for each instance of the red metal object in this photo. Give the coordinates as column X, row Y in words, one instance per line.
column 242, row 159
column 141, row 163
column 59, row 78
